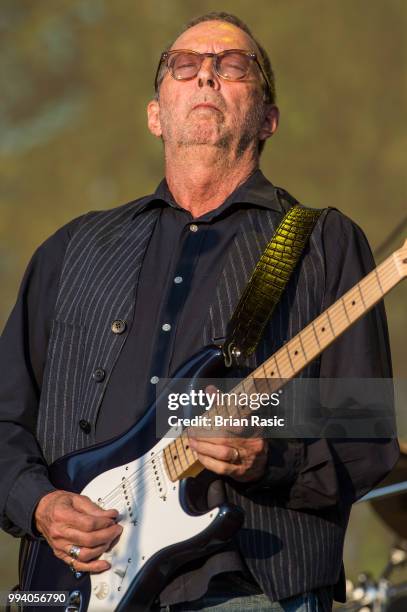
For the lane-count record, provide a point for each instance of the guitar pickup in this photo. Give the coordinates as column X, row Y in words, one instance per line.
column 158, row 476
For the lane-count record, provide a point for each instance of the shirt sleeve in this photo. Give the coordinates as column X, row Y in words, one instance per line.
column 23, row 348
column 316, row 473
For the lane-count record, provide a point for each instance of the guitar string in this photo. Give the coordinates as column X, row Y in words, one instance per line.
column 368, row 287
column 148, row 483
column 371, row 283
column 131, row 478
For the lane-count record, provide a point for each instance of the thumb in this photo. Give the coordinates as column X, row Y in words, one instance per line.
column 84, row 504
column 211, row 389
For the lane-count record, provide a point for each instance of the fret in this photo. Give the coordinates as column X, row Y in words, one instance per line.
column 309, row 341
column 336, row 319
column 301, row 340
column 295, row 352
column 352, row 305
column 371, row 287
column 289, row 357
column 330, row 322
column 175, row 457
column 315, row 332
column 359, row 286
column 233, row 409
column 189, row 454
column 261, row 385
column 285, row 372
column 323, row 329
column 273, row 372
column 169, row 464
column 371, row 290
column 221, row 409
column 387, row 276
column 263, row 367
column 242, row 410
column 181, row 451
column 342, row 301
column 270, row 385
column 379, row 281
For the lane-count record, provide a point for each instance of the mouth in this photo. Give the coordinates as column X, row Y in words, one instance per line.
column 206, row 105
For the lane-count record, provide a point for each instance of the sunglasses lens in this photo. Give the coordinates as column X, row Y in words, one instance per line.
column 233, row 66
column 184, row 65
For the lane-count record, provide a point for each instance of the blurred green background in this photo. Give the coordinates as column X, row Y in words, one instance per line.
column 76, row 76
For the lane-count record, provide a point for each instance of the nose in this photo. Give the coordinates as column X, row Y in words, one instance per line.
column 207, row 75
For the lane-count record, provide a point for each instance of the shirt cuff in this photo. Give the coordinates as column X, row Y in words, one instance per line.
column 284, row 459
column 22, row 500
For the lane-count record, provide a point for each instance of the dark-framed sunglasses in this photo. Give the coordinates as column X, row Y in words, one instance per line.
column 231, row 65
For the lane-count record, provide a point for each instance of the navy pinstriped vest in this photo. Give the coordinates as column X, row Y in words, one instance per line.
column 283, row 548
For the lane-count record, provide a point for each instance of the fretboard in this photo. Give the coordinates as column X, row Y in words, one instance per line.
column 181, row 461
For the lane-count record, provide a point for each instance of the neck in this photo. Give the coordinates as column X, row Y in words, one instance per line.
column 201, row 178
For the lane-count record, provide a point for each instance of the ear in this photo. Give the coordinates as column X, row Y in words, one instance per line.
column 270, row 123
column 153, row 118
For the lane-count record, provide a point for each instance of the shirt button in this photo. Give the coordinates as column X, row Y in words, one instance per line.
column 154, row 380
column 178, row 280
column 166, row 327
column 85, row 426
column 118, row 326
column 193, row 227
column 99, row 374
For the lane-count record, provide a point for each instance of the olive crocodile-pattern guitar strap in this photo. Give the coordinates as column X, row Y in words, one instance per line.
column 267, row 282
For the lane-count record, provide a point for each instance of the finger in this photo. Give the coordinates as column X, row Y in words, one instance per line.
column 216, row 451
column 84, row 504
column 95, row 566
column 219, row 440
column 211, row 390
column 254, row 445
column 85, row 554
column 66, row 515
column 100, row 537
column 223, row 468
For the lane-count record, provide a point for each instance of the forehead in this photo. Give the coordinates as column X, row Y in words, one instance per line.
column 214, row 36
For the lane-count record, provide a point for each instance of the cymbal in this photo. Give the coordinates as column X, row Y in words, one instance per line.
column 393, row 510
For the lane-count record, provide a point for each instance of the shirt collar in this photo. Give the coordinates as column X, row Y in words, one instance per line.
column 256, row 190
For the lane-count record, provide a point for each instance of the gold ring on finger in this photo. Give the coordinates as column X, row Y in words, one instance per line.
column 236, row 458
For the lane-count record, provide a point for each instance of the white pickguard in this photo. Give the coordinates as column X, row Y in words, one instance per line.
column 151, row 516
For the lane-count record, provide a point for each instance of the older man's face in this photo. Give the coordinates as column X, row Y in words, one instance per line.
column 209, row 110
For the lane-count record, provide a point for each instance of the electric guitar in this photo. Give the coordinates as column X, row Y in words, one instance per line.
column 146, row 480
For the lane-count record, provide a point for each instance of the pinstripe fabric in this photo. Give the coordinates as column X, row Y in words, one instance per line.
column 98, row 284
column 283, row 548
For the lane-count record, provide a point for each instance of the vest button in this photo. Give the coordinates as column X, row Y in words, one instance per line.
column 85, row 426
column 99, row 374
column 118, row 326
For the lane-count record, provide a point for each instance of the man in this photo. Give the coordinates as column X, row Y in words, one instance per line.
column 118, row 299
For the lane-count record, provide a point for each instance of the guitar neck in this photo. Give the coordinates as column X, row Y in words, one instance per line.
column 303, row 348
